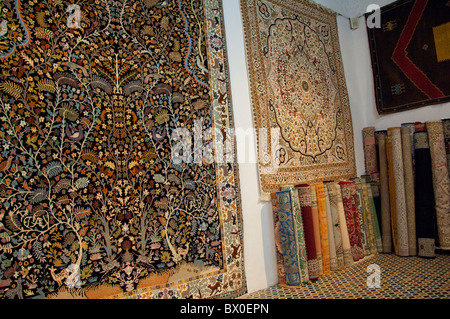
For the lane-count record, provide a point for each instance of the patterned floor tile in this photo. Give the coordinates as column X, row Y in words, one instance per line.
column 401, row 277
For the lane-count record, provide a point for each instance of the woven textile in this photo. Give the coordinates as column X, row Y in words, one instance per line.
column 333, row 200
column 375, row 188
column 386, row 232
column 420, row 127
column 362, row 217
column 278, row 243
column 300, row 237
column 316, row 223
column 399, row 280
column 349, row 201
column 334, row 265
column 441, row 181
column 375, row 223
column 392, row 191
column 424, row 197
column 302, row 260
column 288, row 238
column 407, row 69
column 299, row 96
column 370, row 215
column 94, row 200
column 407, row 132
column 304, row 194
column 370, row 153
column 323, row 225
column 446, row 124
column 345, row 234
column 401, row 218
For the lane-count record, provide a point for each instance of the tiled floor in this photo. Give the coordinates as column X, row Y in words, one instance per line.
column 401, row 277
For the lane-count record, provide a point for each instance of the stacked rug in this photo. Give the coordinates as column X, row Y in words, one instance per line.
column 412, row 161
column 323, row 227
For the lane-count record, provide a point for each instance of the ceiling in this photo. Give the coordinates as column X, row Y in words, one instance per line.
column 352, row 8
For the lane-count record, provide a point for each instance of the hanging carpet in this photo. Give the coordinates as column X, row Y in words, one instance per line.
column 300, row 105
column 108, row 184
column 385, row 205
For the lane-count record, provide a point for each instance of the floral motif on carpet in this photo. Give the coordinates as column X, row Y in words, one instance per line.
column 299, row 96
column 92, row 202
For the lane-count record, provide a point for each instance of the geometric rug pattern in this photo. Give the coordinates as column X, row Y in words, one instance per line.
column 400, row 278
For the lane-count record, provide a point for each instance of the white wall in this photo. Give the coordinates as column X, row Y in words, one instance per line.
column 259, row 245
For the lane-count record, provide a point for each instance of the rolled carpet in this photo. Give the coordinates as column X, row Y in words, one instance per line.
column 323, row 224
column 302, row 260
column 349, row 201
column 407, row 131
column 424, row 197
column 441, row 181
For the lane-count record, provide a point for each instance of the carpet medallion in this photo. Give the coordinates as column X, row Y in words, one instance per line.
column 299, row 97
